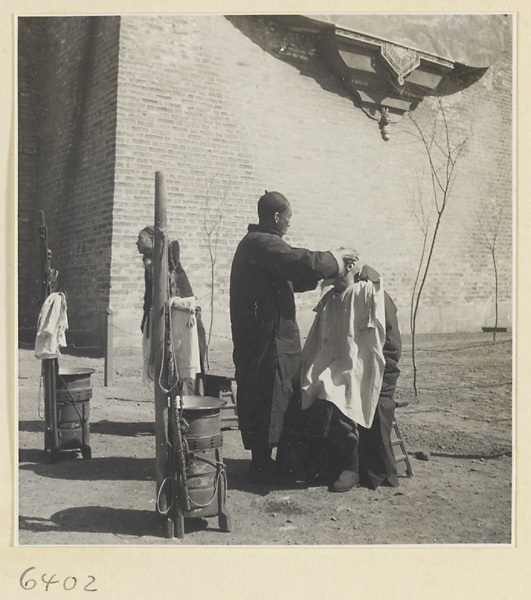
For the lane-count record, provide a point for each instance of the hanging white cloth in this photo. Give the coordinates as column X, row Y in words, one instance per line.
column 184, row 337
column 51, row 327
column 342, row 359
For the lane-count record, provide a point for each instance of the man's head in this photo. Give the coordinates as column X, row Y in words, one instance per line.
column 347, row 278
column 274, row 212
column 146, row 240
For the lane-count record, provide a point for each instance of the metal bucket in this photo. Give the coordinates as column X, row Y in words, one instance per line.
column 201, row 481
column 204, row 441
column 73, row 394
column 203, row 415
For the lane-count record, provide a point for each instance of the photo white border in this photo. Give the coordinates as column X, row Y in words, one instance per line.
column 411, row 572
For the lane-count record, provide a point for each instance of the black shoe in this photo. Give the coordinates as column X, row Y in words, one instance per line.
column 345, row 482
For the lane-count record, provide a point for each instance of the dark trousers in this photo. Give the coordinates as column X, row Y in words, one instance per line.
column 332, row 441
column 335, row 443
column 377, row 459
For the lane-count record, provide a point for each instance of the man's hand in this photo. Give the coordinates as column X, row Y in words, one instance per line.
column 343, row 257
column 348, row 256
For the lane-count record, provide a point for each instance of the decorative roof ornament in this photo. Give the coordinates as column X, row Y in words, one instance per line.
column 387, row 80
column 401, row 60
column 387, row 63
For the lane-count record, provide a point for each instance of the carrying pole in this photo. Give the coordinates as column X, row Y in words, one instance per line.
column 49, row 366
column 160, row 294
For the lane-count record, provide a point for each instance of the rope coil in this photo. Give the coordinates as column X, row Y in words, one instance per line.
column 159, row 494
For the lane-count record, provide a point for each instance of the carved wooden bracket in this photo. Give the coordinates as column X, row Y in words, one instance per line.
column 385, row 79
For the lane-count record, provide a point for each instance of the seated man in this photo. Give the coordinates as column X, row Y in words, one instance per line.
column 348, row 380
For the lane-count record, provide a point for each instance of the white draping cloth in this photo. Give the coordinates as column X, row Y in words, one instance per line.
column 342, row 359
column 185, row 340
column 51, row 327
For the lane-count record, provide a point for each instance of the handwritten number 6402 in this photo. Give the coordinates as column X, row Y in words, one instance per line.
column 69, row 583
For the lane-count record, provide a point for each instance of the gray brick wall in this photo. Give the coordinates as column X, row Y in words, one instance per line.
column 77, row 64
column 228, row 107
column 212, row 99
column 30, row 48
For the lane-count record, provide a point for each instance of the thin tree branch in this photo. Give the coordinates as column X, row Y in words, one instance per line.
column 439, row 186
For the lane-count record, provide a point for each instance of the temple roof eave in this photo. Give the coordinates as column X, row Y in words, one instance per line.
column 471, row 40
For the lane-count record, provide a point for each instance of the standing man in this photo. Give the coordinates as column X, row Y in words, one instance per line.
column 267, row 350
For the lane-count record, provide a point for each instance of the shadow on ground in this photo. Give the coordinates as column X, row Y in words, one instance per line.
column 102, row 519
column 507, row 453
column 112, row 468
column 125, row 428
column 31, row 426
column 238, row 479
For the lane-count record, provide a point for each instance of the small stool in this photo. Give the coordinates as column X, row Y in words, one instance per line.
column 223, row 387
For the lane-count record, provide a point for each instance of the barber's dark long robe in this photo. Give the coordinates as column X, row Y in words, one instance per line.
column 267, row 350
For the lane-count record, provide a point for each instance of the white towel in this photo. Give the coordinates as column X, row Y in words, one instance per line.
column 185, row 340
column 51, row 327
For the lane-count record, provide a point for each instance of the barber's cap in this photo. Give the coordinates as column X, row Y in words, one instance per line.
column 270, row 203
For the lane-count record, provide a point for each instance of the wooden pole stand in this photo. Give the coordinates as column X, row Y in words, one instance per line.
column 160, row 293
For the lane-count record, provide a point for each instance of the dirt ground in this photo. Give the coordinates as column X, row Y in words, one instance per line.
column 461, row 421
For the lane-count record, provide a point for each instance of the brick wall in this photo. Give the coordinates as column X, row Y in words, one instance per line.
column 239, row 105
column 30, row 47
column 227, row 107
column 77, row 124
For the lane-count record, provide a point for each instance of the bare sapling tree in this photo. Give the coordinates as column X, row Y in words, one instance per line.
column 442, row 152
column 422, row 215
column 485, row 232
column 213, row 214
